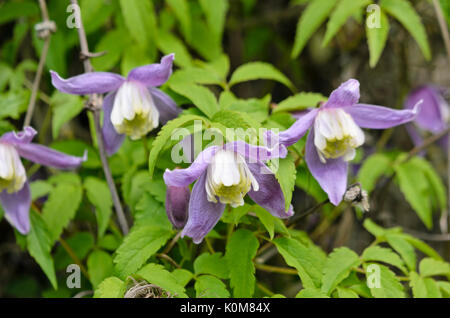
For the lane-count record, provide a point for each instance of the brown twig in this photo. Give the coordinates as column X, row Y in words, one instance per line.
column 45, row 33
column 95, row 106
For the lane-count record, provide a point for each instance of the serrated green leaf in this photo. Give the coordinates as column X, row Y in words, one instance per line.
column 346, row 293
column 267, row 219
column 445, row 288
column 337, row 267
column 372, row 169
column 165, row 134
column 259, row 70
column 207, row 286
column 213, row 264
column 299, row 101
column 182, row 276
column 109, row 43
column 424, row 287
column 286, row 175
column 64, row 108
column 99, row 195
column 156, row 274
column 433, row 267
column 308, row 261
column 344, row 10
column 389, row 285
column 100, row 266
column 311, row 293
column 39, row 245
column 240, row 251
column 200, row 96
column 404, row 12
column 140, row 244
column 406, row 250
column 376, row 38
column 111, row 287
column 39, row 189
column 314, row 15
column 383, row 254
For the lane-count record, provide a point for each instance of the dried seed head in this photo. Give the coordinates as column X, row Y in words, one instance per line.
column 357, row 197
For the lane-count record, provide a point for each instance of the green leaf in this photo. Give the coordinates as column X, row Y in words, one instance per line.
column 414, row 186
column 337, row 267
column 421, row 246
column 39, row 189
column 383, row 254
column 344, row 10
column 311, row 293
column 286, row 175
column 12, row 10
column 372, row 169
column 164, row 136
column 207, row 286
column 376, row 38
column 156, row 274
column 60, row 208
column 39, row 246
column 259, row 70
column 140, row 20
column 80, row 243
column 99, row 195
column 314, row 15
column 445, row 288
column 213, row 264
column 299, row 101
column 423, row 287
column 240, row 251
column 215, row 12
column 168, row 43
column 267, row 219
column 181, row 11
column 200, row 96
column 308, row 261
column 64, row 108
column 346, row 293
column 389, row 285
column 100, row 266
column 404, row 12
column 432, row 267
column 182, row 276
column 112, row 287
column 405, row 249
column 109, row 43
column 134, row 56
column 140, row 244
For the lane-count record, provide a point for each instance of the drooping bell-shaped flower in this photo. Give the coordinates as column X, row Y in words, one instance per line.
column 15, row 196
column 225, row 175
column 133, row 105
column 335, row 132
column 433, row 117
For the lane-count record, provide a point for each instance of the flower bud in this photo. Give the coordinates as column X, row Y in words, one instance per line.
column 177, row 205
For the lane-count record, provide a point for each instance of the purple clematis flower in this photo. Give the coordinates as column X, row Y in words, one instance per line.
column 15, row 196
column 336, row 132
column 133, row 106
column 433, row 116
column 224, row 175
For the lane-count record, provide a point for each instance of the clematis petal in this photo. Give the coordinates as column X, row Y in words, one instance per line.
column 332, row 175
column 269, row 195
column 88, row 83
column 298, row 129
column 153, row 74
column 111, row 138
column 17, row 208
column 22, row 137
column 184, row 177
column 49, row 157
column 177, row 204
column 345, row 95
column 203, row 214
column 379, row 117
column 254, row 153
column 166, row 106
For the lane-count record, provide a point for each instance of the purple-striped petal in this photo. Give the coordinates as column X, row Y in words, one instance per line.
column 111, row 138
column 177, row 205
column 166, row 106
column 379, row 117
column 269, row 196
column 203, row 214
column 431, row 116
column 153, row 74
column 88, row 83
column 21, row 137
column 345, row 95
column 298, row 129
column 332, row 176
column 17, row 208
column 184, row 177
column 49, row 157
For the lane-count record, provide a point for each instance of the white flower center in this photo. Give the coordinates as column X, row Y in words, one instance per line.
column 12, row 172
column 336, row 135
column 134, row 113
column 229, row 179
